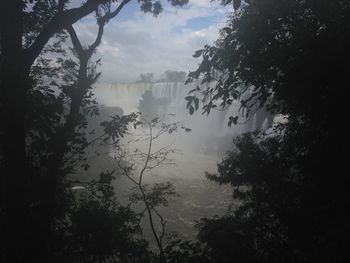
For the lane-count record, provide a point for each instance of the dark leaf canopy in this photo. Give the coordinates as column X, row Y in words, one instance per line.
column 277, row 54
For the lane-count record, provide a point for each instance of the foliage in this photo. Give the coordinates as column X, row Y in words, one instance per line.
column 229, row 237
column 151, row 107
column 178, row 250
column 45, row 100
column 146, row 78
column 136, row 164
column 283, row 202
column 173, row 76
column 265, row 54
column 108, row 234
column 155, row 7
column 288, row 56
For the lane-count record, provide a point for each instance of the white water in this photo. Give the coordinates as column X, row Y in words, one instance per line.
column 202, row 148
column 210, row 134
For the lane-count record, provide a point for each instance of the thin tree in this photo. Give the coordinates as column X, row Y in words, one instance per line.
column 158, row 194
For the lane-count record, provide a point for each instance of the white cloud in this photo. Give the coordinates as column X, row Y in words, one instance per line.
column 142, row 43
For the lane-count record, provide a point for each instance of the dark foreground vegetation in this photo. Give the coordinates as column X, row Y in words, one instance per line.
column 290, row 57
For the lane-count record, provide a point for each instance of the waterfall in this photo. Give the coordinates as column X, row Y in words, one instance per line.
column 209, row 133
column 201, row 149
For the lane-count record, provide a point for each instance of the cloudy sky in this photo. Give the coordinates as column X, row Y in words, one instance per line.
column 135, row 43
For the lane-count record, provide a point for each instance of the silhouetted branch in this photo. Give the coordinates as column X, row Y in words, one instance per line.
column 163, row 223
column 75, row 41
column 115, row 12
column 148, row 154
column 97, row 41
column 60, row 21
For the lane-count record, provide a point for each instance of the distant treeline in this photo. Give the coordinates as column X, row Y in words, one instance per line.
column 167, row 76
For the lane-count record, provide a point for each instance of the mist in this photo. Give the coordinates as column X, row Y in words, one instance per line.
column 174, row 131
column 198, row 145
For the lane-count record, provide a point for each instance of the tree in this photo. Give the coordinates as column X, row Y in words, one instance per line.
column 268, row 48
column 159, row 193
column 289, row 57
column 109, row 234
column 39, row 132
column 146, row 78
column 151, row 107
column 174, row 76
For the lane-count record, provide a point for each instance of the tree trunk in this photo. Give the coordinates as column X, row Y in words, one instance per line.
column 14, row 179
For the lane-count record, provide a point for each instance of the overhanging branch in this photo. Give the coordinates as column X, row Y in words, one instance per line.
column 60, row 21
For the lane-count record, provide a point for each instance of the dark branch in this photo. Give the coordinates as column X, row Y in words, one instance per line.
column 101, row 23
column 75, row 41
column 94, row 45
column 60, row 21
column 117, row 11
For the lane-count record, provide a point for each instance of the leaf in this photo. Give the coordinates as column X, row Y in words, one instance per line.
column 189, row 101
column 193, row 90
column 189, row 80
column 206, row 108
column 232, row 120
column 196, row 103
column 191, row 110
column 154, row 120
column 227, row 30
column 198, row 53
column 236, row 4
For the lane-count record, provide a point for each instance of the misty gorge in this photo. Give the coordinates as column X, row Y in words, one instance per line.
column 196, row 151
column 174, row 131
